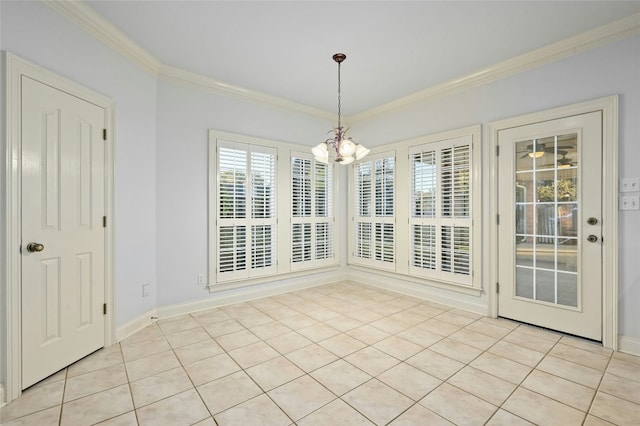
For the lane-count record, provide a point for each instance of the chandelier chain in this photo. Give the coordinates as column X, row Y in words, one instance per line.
column 339, row 99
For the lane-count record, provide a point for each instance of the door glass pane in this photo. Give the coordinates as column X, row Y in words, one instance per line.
column 524, row 206
column 545, row 253
column 524, row 183
column 546, row 219
column 524, row 282
column 568, row 219
column 524, row 254
column 545, row 285
column 568, row 254
column 567, row 289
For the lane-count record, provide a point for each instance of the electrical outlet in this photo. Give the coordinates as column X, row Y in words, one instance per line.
column 630, row 202
column 629, row 184
column 145, row 289
column 200, row 279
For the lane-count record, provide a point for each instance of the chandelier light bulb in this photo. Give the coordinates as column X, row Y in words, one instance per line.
column 361, row 152
column 320, row 150
column 323, row 160
column 346, row 159
column 347, row 147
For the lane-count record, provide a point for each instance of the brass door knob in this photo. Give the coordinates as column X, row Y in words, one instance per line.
column 35, row 247
column 592, row 221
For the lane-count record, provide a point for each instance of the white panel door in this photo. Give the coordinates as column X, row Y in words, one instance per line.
column 550, row 212
column 63, row 203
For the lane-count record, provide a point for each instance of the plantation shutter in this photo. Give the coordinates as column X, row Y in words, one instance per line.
column 262, row 210
column 374, row 221
column 311, row 212
column 323, row 185
column 456, row 165
column 440, row 221
column 246, row 217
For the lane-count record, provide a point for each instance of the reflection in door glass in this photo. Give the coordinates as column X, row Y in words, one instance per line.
column 546, row 219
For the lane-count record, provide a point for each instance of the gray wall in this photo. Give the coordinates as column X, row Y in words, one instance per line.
column 185, row 114
column 37, row 33
column 609, row 70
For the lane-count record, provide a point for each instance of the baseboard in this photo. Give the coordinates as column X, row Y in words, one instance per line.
column 461, row 301
column 135, row 325
column 246, row 294
column 230, row 297
column 629, row 345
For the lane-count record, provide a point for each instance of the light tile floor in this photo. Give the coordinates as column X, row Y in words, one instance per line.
column 339, row 355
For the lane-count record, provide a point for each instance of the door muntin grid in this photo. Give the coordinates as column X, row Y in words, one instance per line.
column 546, row 212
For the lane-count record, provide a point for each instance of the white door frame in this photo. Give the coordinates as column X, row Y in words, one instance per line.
column 609, row 108
column 15, row 68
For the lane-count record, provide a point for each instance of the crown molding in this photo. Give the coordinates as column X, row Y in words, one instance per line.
column 588, row 40
column 93, row 23
column 237, row 92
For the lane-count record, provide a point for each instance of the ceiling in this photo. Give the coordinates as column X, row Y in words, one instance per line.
column 393, row 48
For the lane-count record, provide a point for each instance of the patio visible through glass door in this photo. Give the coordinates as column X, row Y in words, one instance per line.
column 546, row 219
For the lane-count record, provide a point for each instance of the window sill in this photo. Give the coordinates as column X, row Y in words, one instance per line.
column 445, row 285
column 230, row 285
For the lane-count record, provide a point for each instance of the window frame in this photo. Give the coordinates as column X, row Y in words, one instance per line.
column 247, row 220
column 313, row 219
column 282, row 246
column 381, row 222
column 439, row 220
column 403, row 194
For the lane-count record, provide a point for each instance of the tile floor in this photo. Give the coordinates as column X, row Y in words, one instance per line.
column 339, row 355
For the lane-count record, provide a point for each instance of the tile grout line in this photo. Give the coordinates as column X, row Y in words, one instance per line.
column 64, row 390
column 338, row 397
column 595, row 394
column 374, row 305
column 195, row 388
column 344, row 332
column 126, row 373
column 241, row 369
column 534, row 368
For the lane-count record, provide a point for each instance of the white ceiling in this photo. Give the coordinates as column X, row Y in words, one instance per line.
column 393, row 48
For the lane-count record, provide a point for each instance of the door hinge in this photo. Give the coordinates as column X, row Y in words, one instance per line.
column 497, row 219
column 104, row 134
column 497, row 150
column 104, row 221
column 104, row 309
column 498, row 288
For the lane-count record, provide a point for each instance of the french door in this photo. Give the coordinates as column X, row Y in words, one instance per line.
column 550, row 224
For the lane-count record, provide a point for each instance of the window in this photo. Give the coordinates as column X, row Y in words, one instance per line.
column 440, row 211
column 414, row 207
column 246, row 210
column 271, row 211
column 374, row 218
column 311, row 212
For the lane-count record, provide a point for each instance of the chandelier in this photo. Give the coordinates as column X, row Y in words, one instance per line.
column 344, row 147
